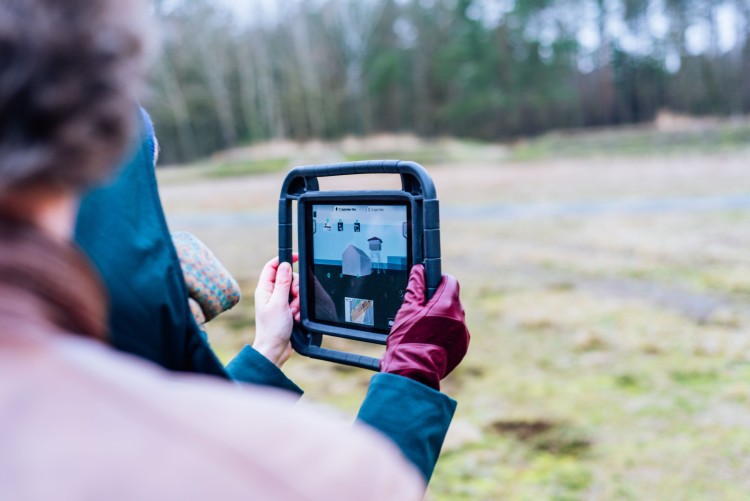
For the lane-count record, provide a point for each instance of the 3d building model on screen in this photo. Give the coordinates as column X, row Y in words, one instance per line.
column 355, row 262
column 360, row 258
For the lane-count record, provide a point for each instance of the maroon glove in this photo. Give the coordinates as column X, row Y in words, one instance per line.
column 429, row 340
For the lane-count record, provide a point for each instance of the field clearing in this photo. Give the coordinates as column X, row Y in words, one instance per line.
column 609, row 303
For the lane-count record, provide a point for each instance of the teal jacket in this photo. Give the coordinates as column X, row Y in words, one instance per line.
column 122, row 227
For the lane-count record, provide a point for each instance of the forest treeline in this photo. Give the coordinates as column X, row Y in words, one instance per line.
column 485, row 69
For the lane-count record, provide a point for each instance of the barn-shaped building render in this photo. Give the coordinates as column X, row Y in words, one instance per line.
column 355, row 262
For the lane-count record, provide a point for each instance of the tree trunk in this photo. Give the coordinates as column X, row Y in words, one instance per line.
column 178, row 108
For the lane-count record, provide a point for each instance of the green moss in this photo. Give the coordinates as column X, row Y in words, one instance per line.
column 633, row 141
column 239, row 169
column 630, row 382
column 694, row 377
column 421, row 157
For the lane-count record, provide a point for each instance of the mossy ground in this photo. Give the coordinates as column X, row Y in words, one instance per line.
column 610, row 356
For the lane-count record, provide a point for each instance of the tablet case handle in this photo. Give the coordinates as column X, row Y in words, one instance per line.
column 414, row 180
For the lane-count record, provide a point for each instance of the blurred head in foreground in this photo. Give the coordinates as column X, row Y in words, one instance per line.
column 71, row 73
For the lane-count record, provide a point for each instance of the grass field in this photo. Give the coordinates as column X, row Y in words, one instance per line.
column 608, row 296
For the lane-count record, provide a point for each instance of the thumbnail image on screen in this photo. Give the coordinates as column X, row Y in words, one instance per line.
column 360, row 263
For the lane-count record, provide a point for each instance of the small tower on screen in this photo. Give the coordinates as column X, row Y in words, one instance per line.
column 376, row 245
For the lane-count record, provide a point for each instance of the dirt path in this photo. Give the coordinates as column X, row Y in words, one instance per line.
column 507, row 190
column 505, row 212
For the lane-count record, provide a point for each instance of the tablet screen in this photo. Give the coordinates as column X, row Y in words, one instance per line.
column 360, row 264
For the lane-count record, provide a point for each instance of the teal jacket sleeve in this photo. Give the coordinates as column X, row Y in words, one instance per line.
column 413, row 415
column 249, row 366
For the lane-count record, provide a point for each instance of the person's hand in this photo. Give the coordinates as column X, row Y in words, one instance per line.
column 429, row 338
column 274, row 314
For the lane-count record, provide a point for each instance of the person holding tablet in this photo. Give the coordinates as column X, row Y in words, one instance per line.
column 82, row 421
column 121, row 227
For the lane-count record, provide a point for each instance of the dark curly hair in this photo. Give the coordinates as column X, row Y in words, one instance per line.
column 70, row 73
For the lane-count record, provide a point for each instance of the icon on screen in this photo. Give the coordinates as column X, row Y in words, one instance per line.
column 359, row 311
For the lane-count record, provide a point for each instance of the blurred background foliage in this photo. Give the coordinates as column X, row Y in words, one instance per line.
column 232, row 75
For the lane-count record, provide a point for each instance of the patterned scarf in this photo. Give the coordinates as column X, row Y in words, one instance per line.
column 211, row 288
column 50, row 280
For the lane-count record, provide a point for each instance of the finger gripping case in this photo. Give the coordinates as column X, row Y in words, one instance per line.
column 301, row 186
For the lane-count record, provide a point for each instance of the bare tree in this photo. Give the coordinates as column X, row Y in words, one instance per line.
column 210, row 40
column 249, row 94
column 270, row 104
column 178, row 107
column 355, row 22
column 305, row 58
